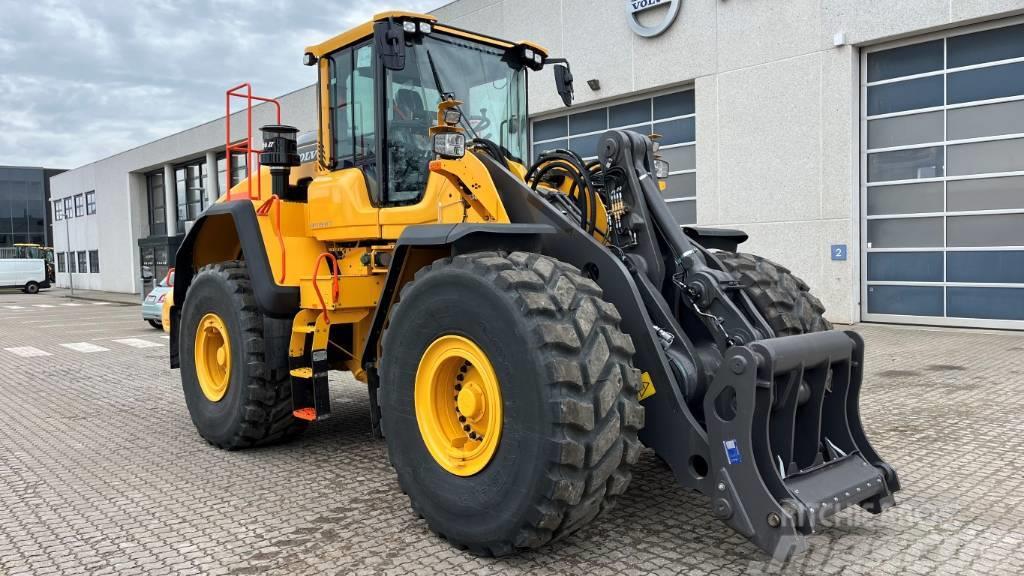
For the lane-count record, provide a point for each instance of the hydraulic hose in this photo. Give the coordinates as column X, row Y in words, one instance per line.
column 568, row 164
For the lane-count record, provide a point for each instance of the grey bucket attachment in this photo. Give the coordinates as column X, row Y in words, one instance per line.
column 786, row 442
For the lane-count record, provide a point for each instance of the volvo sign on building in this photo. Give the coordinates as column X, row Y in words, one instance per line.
column 635, row 7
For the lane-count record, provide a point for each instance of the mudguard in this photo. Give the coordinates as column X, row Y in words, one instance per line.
column 274, row 300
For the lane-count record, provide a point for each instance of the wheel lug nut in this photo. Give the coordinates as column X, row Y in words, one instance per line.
column 458, row 387
column 466, row 427
column 460, row 377
column 462, row 418
column 472, row 435
column 464, row 368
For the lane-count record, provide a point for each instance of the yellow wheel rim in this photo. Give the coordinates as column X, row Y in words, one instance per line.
column 458, row 405
column 213, row 357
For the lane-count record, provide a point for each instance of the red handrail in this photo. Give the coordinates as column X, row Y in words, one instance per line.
column 334, row 283
column 264, row 210
column 252, row 154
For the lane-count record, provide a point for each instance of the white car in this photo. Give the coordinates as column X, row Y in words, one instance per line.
column 29, row 274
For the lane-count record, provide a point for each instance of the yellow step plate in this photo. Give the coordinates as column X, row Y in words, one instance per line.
column 302, row 372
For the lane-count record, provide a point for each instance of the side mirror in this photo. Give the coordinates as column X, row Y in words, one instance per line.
column 391, row 44
column 563, row 83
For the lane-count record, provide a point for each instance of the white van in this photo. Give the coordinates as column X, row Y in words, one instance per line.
column 29, row 274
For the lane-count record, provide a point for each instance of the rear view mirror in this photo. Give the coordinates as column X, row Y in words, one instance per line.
column 563, row 83
column 391, row 44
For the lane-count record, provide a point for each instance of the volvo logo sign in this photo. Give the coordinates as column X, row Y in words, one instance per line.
column 635, row 7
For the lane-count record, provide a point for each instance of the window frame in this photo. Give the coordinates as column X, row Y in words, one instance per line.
column 83, row 261
column 79, row 205
column 90, row 202
column 58, row 209
column 652, row 121
column 94, row 261
column 371, row 166
column 156, row 227
column 69, row 208
column 62, row 266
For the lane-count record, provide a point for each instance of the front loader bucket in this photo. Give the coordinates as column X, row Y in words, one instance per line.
column 786, row 442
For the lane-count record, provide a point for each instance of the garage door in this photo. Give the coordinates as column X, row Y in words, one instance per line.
column 942, row 203
column 671, row 115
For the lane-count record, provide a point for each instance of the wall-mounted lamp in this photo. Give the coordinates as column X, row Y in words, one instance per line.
column 594, row 84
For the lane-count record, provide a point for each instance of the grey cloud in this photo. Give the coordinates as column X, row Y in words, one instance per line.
column 83, row 80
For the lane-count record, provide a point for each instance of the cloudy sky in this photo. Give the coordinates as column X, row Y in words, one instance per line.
column 81, row 80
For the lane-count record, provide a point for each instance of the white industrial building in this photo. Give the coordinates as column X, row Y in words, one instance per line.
column 875, row 147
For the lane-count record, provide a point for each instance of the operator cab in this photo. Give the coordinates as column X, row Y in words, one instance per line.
column 382, row 83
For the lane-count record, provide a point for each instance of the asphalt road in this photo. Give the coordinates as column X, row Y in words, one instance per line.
column 101, row 471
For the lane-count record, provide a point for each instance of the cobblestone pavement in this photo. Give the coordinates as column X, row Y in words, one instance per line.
column 101, row 471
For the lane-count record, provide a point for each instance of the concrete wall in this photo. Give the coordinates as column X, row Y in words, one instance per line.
column 121, row 205
column 776, row 103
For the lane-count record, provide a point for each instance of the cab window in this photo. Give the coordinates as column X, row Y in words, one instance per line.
column 352, row 110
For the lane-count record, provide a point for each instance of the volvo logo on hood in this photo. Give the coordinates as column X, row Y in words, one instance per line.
column 635, row 7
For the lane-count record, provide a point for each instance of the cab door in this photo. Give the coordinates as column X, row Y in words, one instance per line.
column 341, row 204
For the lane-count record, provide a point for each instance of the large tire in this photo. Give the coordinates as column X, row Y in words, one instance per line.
column 256, row 409
column 156, row 324
column 784, row 300
column 568, row 391
column 31, row 288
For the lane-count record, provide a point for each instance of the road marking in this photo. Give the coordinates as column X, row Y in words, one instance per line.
column 27, row 351
column 71, row 304
column 43, row 305
column 166, row 337
column 138, row 343
column 14, row 307
column 84, row 347
column 101, row 303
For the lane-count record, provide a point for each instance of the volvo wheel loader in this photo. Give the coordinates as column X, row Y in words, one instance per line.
column 523, row 327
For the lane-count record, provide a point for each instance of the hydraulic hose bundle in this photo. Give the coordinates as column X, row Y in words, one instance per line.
column 559, row 168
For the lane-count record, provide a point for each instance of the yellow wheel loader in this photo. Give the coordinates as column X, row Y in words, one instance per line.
column 523, row 327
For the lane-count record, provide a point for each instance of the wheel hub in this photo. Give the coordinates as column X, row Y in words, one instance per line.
column 458, row 405
column 471, row 402
column 213, row 357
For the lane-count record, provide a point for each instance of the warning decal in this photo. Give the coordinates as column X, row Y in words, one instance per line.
column 646, row 387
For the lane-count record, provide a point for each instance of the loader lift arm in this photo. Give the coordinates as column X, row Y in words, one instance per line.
column 767, row 427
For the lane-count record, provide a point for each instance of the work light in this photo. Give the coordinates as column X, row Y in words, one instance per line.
column 452, row 117
column 661, row 168
column 450, row 145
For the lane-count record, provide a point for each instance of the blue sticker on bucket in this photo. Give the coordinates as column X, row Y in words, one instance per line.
column 732, row 451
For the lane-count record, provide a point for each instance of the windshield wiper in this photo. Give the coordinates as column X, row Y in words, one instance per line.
column 448, row 95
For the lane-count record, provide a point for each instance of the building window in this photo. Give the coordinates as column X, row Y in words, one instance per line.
column 69, row 210
column 157, row 211
column 79, row 205
column 82, row 266
column 71, row 263
column 58, row 210
column 672, row 115
column 22, row 206
column 61, row 262
column 90, row 202
column 238, row 171
column 190, row 183
column 94, row 261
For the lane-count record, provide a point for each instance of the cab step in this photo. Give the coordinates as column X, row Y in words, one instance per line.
column 311, row 397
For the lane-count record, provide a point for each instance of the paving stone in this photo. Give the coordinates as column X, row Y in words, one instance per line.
column 101, row 471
